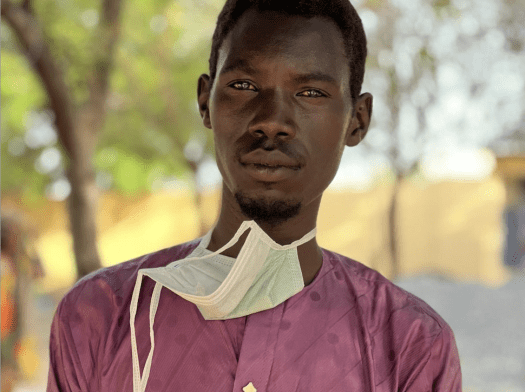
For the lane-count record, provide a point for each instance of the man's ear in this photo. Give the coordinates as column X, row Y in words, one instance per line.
column 360, row 120
column 203, row 98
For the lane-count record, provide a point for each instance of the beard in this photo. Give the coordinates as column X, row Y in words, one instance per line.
column 267, row 211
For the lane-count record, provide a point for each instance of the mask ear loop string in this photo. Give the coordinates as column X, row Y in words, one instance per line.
column 139, row 383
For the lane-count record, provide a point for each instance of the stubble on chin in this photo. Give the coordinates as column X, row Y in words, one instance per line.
column 267, row 211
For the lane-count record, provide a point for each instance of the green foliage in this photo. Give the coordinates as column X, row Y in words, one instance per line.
column 445, row 8
column 71, row 42
column 441, row 3
column 154, row 85
column 151, row 114
column 130, row 173
column 21, row 92
column 426, row 60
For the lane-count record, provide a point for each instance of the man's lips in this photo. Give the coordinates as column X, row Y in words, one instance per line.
column 270, row 159
column 270, row 174
column 269, row 166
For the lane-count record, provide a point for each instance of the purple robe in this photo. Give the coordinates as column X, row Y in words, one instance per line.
column 349, row 330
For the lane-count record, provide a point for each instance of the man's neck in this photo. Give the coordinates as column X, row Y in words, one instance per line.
column 310, row 254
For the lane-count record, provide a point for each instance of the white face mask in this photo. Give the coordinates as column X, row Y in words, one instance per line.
column 264, row 275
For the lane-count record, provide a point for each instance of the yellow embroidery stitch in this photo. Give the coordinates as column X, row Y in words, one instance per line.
column 249, row 388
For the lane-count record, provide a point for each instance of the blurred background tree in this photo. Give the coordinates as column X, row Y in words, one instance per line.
column 73, row 70
column 444, row 76
column 97, row 99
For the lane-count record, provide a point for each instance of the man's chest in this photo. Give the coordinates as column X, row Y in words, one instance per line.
column 303, row 348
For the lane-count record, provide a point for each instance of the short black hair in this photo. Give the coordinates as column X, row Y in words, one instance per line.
column 340, row 11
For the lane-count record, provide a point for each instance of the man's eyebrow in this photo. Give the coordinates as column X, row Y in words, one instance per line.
column 243, row 65
column 315, row 76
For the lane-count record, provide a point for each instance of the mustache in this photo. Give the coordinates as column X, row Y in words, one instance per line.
column 247, row 143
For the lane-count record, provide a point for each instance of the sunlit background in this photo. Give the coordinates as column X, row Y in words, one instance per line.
column 434, row 197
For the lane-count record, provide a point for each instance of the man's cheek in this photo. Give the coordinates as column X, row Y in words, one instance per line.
column 328, row 160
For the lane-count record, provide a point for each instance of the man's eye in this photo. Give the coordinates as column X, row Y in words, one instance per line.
column 246, row 86
column 313, row 94
column 242, row 86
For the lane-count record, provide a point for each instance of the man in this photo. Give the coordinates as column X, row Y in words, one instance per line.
column 283, row 100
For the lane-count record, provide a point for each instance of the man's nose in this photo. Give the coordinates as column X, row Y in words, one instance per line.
column 274, row 118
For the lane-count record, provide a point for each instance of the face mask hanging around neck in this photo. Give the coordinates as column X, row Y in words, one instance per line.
column 263, row 275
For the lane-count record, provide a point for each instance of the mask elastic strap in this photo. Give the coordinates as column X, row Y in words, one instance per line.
column 244, row 226
column 152, row 311
column 134, row 351
column 272, row 244
column 307, row 237
column 139, row 383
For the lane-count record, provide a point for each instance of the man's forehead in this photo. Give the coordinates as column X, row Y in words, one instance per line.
column 272, row 30
column 315, row 45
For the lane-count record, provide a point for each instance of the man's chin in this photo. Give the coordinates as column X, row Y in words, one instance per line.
column 267, row 210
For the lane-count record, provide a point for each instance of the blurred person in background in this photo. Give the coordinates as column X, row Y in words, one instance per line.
column 256, row 304
column 20, row 266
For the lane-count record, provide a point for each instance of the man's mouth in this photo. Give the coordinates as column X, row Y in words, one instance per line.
column 270, row 173
column 275, row 159
column 262, row 166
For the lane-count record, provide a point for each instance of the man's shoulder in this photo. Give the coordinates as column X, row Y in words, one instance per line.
column 382, row 301
column 118, row 280
column 404, row 332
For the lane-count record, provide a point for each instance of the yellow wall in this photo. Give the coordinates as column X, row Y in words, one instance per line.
column 454, row 229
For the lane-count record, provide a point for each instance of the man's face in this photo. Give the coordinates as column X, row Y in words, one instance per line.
column 280, row 108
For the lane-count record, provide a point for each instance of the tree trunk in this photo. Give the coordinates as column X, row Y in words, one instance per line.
column 83, row 200
column 393, row 227
column 200, row 212
column 197, row 195
column 77, row 128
